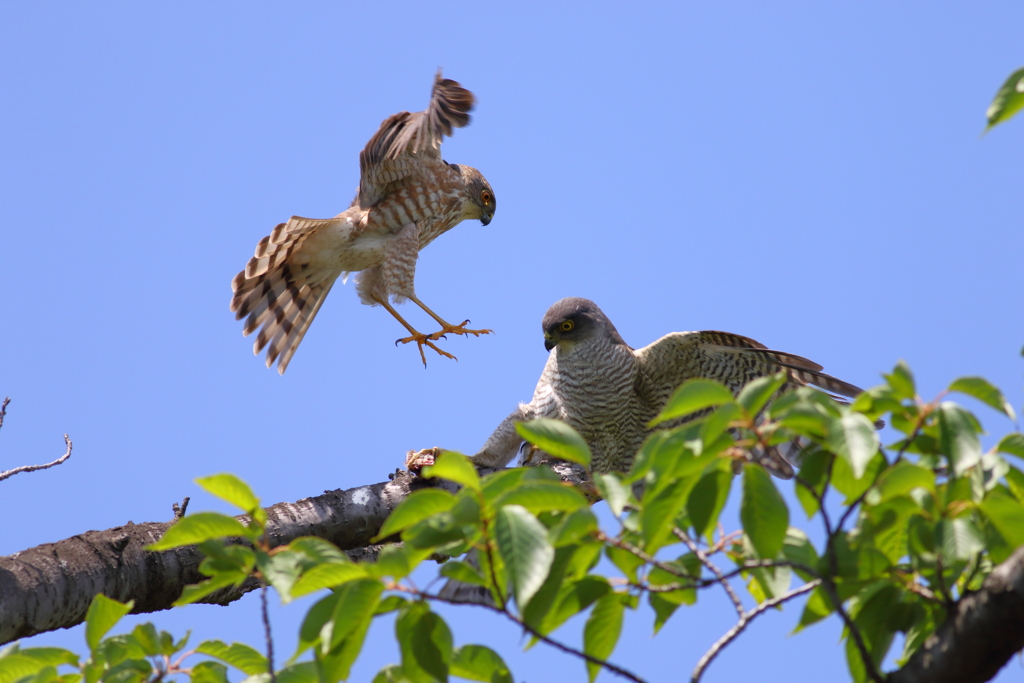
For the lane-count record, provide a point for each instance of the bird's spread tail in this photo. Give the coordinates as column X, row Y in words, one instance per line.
column 279, row 295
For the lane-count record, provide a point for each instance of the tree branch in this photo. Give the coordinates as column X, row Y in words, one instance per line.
column 30, row 468
column 745, row 619
column 983, row 631
column 695, row 549
column 51, row 586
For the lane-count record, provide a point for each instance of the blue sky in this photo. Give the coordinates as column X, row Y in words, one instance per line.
column 810, row 175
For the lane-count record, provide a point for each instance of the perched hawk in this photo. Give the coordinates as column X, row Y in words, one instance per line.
column 408, row 195
column 608, row 391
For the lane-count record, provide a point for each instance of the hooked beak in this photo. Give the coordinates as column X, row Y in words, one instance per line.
column 549, row 343
column 485, row 218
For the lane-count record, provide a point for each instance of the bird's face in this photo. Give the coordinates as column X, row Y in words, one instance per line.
column 571, row 321
column 482, row 202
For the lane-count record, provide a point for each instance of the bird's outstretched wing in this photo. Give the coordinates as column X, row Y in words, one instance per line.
column 281, row 294
column 729, row 358
column 732, row 360
column 403, row 140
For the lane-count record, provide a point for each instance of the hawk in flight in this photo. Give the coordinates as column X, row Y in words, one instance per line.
column 408, row 195
column 608, row 391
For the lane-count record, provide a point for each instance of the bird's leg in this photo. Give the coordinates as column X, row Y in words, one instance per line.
column 418, row 337
column 446, row 327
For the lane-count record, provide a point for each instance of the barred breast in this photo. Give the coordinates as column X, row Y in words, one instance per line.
column 592, row 390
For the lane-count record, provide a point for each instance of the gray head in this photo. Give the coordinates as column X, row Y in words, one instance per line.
column 575, row 320
column 479, row 193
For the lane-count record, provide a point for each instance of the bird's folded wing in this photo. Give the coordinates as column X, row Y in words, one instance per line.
column 395, row 150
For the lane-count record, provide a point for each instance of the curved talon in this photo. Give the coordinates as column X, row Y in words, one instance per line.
column 424, row 340
column 457, row 329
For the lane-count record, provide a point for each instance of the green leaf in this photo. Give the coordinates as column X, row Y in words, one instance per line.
column 708, row 498
column 103, row 614
column 659, row 512
column 763, row 512
column 853, row 438
column 573, row 527
column 901, row 381
column 543, row 496
column 392, row 673
column 461, row 571
column 959, row 538
column 281, row 571
column 756, row 394
column 479, row 663
column 845, row 482
column 193, row 593
column 209, row 672
column 574, row 598
column 231, row 489
column 556, row 438
column 498, row 482
column 988, row 394
column 327, row 576
column 38, row 662
column 525, row 548
column 342, row 637
column 626, row 561
column 426, row 643
column 902, row 478
column 1008, row 100
column 202, row 526
column 797, row 548
column 1006, row 515
column 303, row 672
column 1015, row 480
column 454, row 467
column 614, row 492
column 238, row 655
column 693, row 395
column 663, row 609
column 416, row 507
column 812, row 471
column 817, row 608
column 1012, row 444
column 958, row 436
column 601, row 632
column 147, row 638
column 318, row 615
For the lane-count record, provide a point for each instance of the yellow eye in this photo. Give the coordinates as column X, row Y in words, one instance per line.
column 566, row 326
column 486, row 198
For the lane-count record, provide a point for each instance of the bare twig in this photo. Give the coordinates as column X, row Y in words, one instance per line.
column 3, row 409
column 179, row 510
column 695, row 549
column 266, row 631
column 745, row 619
column 529, row 629
column 33, row 468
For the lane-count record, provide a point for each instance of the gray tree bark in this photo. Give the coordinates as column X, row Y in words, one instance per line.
column 51, row 586
column 984, row 631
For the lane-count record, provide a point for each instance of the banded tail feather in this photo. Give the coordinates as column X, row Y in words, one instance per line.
column 278, row 296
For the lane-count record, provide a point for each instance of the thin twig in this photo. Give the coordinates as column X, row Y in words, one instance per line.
column 695, row 549
column 529, row 629
column 745, row 619
column 179, row 510
column 705, row 583
column 3, row 409
column 33, row 468
column 266, row 631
